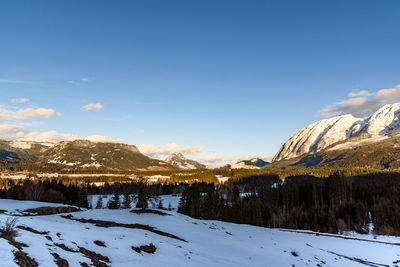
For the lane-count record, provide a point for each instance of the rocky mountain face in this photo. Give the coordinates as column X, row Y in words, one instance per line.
column 346, row 141
column 325, row 133
column 179, row 161
column 79, row 154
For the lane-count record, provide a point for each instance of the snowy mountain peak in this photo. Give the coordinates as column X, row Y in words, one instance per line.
column 179, row 161
column 254, row 163
column 324, row 133
column 384, row 120
column 317, row 135
column 175, row 156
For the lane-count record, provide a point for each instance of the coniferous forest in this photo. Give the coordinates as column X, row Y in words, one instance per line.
column 337, row 203
column 334, row 204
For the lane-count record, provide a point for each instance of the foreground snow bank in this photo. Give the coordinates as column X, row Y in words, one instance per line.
column 209, row 243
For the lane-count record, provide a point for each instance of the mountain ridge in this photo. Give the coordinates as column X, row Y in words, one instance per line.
column 179, row 161
column 325, row 133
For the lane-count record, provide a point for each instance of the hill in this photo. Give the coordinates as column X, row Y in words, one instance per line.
column 79, row 154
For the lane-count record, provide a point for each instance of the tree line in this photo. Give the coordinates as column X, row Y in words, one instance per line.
column 335, row 204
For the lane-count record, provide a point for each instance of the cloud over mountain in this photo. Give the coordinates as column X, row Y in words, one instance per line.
column 362, row 103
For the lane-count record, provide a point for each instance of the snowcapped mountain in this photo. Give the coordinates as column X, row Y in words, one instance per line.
column 326, row 133
column 179, row 161
column 255, row 163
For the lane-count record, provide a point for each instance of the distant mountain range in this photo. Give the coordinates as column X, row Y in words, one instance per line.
column 346, row 141
column 79, row 154
column 179, row 161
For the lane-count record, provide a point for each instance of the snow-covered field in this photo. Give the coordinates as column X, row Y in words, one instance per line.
column 180, row 241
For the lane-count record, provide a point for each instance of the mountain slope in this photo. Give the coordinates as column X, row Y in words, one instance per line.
column 78, row 154
column 325, row 133
column 179, row 161
column 87, row 154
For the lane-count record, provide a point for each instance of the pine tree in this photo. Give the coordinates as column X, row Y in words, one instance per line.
column 99, row 203
column 160, row 205
column 142, row 199
column 126, row 203
column 114, row 203
column 82, row 200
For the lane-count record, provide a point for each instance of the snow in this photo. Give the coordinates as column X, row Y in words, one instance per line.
column 352, row 144
column 242, row 165
column 324, row 133
column 209, row 243
column 64, row 162
column 222, row 179
column 93, row 164
column 317, row 136
column 24, row 144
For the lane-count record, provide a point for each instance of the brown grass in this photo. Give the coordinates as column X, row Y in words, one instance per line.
column 147, row 211
column 100, row 243
column 97, row 259
column 151, row 249
column 60, row 261
column 29, row 229
column 52, row 210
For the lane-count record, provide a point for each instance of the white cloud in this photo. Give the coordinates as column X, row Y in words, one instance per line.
column 363, row 103
column 16, row 132
column 357, row 93
column 160, row 151
column 84, row 79
column 50, row 136
column 9, row 115
column 218, row 161
column 39, row 112
column 89, row 107
column 19, row 100
column 102, row 139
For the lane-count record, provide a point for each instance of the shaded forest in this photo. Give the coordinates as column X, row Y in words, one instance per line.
column 334, row 204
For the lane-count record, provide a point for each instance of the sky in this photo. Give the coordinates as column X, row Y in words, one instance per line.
column 216, row 80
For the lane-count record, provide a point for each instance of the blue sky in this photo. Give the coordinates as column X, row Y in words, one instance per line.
column 227, row 78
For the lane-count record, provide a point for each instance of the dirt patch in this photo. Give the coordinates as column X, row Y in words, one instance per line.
column 100, row 243
column 60, row 261
column 150, row 212
column 151, row 249
column 52, row 210
column 29, row 229
column 23, row 260
column 97, row 259
column 106, row 224
column 64, row 247
column 20, row 257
